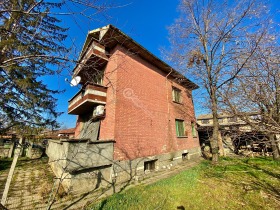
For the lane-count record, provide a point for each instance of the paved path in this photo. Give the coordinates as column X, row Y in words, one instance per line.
column 33, row 182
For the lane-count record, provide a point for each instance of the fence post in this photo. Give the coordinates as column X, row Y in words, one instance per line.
column 11, row 172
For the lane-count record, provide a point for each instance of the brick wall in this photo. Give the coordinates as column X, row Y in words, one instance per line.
column 140, row 113
column 78, row 127
column 107, row 126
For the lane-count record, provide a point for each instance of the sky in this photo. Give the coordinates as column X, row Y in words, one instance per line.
column 145, row 21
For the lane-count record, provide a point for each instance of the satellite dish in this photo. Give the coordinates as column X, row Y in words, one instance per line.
column 75, row 81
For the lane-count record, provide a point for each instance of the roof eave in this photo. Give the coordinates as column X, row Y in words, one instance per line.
column 144, row 53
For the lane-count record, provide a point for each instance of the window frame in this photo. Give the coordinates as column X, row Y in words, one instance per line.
column 221, row 120
column 150, row 165
column 180, row 128
column 98, row 79
column 232, row 119
column 177, row 95
column 194, row 131
column 205, row 121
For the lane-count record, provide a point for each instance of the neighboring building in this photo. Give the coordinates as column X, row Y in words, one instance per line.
column 226, row 120
column 54, row 134
column 135, row 114
column 236, row 134
column 48, row 134
column 66, row 133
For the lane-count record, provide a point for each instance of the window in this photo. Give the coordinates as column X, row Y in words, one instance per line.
column 176, row 94
column 205, row 121
column 150, row 165
column 255, row 117
column 184, row 156
column 221, row 120
column 98, row 78
column 232, row 119
column 180, row 128
column 193, row 130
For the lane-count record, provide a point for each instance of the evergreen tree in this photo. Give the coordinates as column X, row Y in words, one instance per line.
column 30, row 48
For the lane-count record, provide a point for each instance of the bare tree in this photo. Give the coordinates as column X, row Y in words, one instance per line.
column 216, row 40
column 256, row 90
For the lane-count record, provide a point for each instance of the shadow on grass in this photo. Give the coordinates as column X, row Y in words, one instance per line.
column 269, row 188
column 270, row 173
column 103, row 203
column 5, row 164
column 256, row 173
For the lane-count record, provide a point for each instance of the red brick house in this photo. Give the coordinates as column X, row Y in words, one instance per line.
column 135, row 102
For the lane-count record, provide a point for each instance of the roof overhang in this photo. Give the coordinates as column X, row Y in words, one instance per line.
column 109, row 36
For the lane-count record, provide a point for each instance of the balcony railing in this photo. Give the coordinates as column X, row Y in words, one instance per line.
column 95, row 56
column 86, row 98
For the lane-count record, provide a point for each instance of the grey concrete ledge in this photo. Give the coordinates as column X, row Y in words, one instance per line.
column 60, row 141
column 88, row 169
column 102, row 141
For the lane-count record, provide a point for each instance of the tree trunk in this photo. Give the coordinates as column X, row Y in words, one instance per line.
column 274, row 146
column 214, row 140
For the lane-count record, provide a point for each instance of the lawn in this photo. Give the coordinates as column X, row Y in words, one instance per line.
column 233, row 184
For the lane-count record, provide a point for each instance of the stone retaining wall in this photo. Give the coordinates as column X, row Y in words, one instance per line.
column 82, row 164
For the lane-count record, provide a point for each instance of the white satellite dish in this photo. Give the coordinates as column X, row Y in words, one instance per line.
column 75, row 81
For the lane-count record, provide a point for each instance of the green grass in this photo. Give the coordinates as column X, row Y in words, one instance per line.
column 233, row 184
column 7, row 162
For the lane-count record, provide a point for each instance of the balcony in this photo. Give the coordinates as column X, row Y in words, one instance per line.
column 94, row 57
column 87, row 98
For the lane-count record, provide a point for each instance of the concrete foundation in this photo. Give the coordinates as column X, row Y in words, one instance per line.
column 129, row 170
column 85, row 166
column 82, row 165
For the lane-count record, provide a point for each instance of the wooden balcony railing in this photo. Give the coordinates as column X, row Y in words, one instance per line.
column 94, row 56
column 86, row 98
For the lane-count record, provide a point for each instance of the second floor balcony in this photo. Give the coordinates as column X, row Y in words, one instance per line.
column 94, row 57
column 87, row 98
